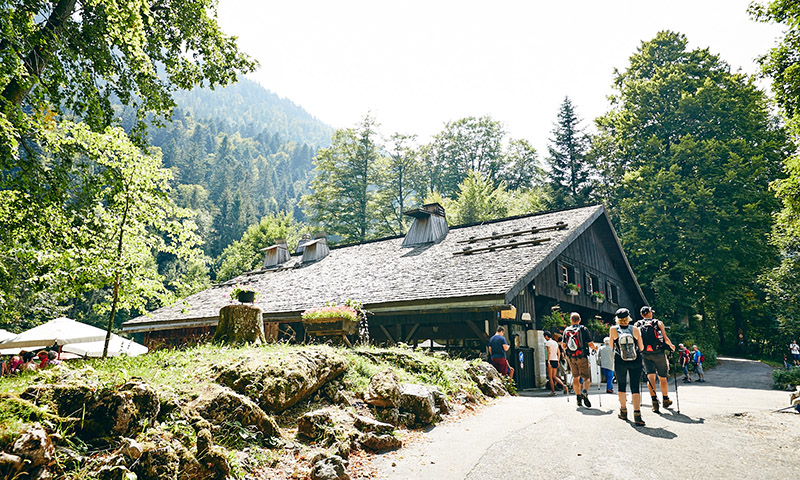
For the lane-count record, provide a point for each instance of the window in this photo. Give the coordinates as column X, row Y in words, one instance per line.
column 612, row 293
column 567, row 274
column 592, row 284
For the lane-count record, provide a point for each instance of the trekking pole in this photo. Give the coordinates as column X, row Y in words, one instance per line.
column 599, row 381
column 677, row 398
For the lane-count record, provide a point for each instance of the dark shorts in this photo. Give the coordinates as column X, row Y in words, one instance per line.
column 554, row 363
column 501, row 364
column 580, row 367
column 656, row 363
column 796, row 356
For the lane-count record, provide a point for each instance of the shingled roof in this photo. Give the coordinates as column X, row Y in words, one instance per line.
column 382, row 273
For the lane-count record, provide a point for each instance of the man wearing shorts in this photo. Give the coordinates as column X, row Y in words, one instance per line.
column 576, row 342
column 795, row 351
column 655, row 341
column 499, row 346
column 551, row 347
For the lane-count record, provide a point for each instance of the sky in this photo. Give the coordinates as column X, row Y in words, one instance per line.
column 415, row 65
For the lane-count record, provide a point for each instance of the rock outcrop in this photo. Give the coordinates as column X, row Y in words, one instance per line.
column 222, row 405
column 418, row 400
column 488, row 380
column 383, row 390
column 283, row 381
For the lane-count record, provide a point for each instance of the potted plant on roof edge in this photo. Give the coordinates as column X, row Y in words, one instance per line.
column 243, row 295
column 331, row 319
column 598, row 297
column 572, row 289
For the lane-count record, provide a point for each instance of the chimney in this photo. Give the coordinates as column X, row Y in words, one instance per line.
column 316, row 249
column 276, row 254
column 430, row 225
column 306, row 238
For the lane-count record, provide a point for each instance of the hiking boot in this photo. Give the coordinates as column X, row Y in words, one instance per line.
column 637, row 418
column 609, row 391
column 586, row 401
column 666, row 402
column 655, row 404
column 579, row 399
column 623, row 414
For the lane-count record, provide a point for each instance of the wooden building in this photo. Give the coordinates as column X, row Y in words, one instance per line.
column 451, row 286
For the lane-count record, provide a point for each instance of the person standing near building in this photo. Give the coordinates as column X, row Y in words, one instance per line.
column 697, row 360
column 576, row 342
column 606, row 356
column 499, row 347
column 656, row 342
column 553, row 357
column 627, row 343
column 685, row 359
column 794, row 349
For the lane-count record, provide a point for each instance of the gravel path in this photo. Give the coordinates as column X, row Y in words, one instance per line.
column 726, row 428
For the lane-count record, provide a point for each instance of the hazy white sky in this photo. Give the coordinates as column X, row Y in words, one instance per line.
column 418, row 64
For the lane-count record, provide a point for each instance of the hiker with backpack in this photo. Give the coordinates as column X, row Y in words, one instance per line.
column 655, row 342
column 697, row 359
column 685, row 359
column 627, row 342
column 553, row 357
column 577, row 341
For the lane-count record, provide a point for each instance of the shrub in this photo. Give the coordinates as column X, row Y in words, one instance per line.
column 786, row 379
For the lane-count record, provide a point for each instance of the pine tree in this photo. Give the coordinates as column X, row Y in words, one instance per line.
column 569, row 170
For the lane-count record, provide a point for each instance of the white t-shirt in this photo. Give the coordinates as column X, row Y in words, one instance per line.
column 795, row 348
column 552, row 349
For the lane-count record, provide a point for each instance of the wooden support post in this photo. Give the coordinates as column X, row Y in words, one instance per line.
column 388, row 335
column 412, row 332
column 477, row 330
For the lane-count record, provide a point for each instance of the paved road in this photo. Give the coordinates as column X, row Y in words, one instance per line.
column 725, row 430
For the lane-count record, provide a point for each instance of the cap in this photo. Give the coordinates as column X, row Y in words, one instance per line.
column 645, row 310
column 622, row 313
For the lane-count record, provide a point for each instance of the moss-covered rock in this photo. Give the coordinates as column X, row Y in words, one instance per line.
column 285, row 378
column 221, row 405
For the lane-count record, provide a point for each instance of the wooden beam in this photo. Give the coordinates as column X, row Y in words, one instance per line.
column 412, row 332
column 557, row 226
column 468, row 251
column 388, row 335
column 478, row 331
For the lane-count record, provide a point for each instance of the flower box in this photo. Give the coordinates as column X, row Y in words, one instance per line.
column 329, row 326
column 572, row 289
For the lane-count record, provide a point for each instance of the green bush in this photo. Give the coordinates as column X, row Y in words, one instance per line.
column 786, row 379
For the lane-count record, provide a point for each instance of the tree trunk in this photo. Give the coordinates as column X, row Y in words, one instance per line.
column 240, row 324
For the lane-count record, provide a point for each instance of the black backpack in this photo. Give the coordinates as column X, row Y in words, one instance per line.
column 652, row 338
column 574, row 341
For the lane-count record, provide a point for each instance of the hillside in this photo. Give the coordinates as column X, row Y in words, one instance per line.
column 217, row 412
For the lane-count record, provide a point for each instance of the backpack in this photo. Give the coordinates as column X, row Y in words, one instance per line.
column 702, row 358
column 627, row 346
column 652, row 338
column 574, row 342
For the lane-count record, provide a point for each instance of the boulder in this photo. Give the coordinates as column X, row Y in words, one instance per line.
column 379, row 443
column 280, row 381
column 158, row 464
column 212, row 457
column 441, row 401
column 222, row 405
column 418, row 400
column 383, row 390
column 315, row 425
column 487, row 378
column 331, row 468
column 387, row 415
column 10, row 465
column 116, row 473
column 35, row 447
column 131, row 448
column 122, row 412
column 366, row 424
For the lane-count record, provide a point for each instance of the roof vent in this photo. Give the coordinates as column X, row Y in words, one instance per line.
column 316, row 249
column 430, row 225
column 305, row 239
column 276, row 254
